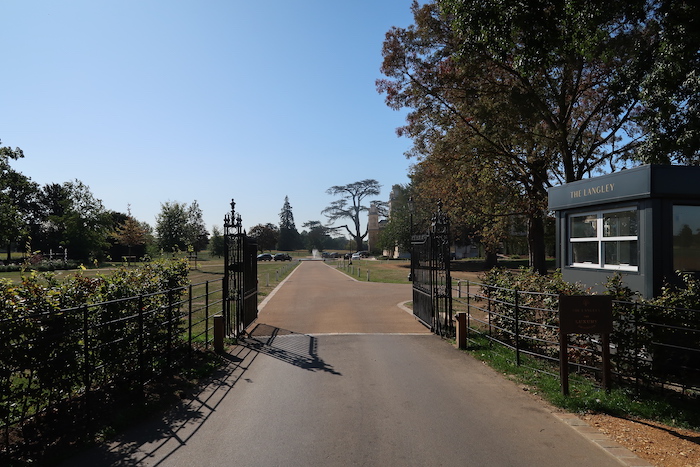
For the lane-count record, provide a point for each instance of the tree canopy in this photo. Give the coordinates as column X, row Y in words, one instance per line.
column 508, row 98
column 350, row 206
column 179, row 226
column 266, row 235
column 17, row 197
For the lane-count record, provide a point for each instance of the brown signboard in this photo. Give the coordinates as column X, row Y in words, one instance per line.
column 585, row 314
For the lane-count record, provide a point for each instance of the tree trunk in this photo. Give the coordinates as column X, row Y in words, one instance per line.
column 535, row 242
column 358, row 243
column 490, row 260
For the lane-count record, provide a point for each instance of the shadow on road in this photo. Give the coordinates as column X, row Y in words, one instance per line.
column 154, row 442
column 296, row 349
column 157, row 439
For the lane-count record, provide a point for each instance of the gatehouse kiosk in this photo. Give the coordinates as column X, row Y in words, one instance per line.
column 642, row 222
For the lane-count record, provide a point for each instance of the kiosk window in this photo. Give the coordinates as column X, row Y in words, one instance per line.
column 604, row 239
column 686, row 238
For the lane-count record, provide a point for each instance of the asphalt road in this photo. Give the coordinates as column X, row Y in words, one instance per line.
column 334, row 373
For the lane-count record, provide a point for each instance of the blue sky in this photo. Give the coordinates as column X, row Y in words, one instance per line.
column 170, row 100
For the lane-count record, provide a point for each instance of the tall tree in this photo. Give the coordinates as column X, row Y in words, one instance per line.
column 524, row 94
column 216, row 244
column 266, row 235
column 288, row 234
column 17, row 199
column 197, row 234
column 130, row 233
column 72, row 218
column 350, row 206
column 671, row 90
column 398, row 229
column 317, row 235
column 171, row 226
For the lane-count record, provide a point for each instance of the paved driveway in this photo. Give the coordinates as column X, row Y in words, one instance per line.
column 334, row 373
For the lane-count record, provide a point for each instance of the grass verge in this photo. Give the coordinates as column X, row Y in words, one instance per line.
column 542, row 379
column 387, row 271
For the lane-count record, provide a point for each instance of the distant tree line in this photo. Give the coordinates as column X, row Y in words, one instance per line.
column 65, row 220
column 286, row 237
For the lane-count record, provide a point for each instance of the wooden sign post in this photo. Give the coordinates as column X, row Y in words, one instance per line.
column 584, row 314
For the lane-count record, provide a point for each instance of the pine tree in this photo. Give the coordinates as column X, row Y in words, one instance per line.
column 288, row 235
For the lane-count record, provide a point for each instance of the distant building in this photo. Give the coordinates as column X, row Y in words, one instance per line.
column 374, row 227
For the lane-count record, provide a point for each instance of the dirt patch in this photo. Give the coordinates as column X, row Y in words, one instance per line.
column 658, row 444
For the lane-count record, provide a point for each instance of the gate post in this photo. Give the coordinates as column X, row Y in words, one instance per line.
column 219, row 334
column 240, row 275
column 461, row 330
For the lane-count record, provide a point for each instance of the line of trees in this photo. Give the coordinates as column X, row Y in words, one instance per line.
column 507, row 99
column 66, row 219
column 286, row 237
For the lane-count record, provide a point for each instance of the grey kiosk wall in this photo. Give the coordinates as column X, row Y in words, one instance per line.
column 643, row 222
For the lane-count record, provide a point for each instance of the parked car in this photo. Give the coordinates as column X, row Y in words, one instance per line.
column 356, row 255
column 282, row 257
column 265, row 257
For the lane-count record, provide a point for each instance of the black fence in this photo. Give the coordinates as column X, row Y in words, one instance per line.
column 71, row 365
column 651, row 346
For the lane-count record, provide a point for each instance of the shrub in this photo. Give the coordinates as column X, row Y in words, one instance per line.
column 42, row 333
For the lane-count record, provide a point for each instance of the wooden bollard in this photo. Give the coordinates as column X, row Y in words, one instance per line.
column 461, row 319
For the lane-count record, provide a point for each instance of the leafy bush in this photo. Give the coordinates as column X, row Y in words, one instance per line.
column 652, row 339
column 537, row 299
column 46, row 349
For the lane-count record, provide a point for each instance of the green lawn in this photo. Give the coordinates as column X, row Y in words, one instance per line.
column 389, row 271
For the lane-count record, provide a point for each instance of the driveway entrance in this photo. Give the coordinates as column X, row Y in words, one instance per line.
column 318, row 299
column 335, row 374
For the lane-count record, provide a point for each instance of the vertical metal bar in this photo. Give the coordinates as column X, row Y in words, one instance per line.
column 488, row 310
column 86, row 363
column 206, row 315
column 189, row 319
column 169, row 317
column 563, row 362
column 607, row 383
column 636, row 356
column 517, row 329
column 141, row 348
column 469, row 312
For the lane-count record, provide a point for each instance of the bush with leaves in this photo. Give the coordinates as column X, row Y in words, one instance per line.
column 656, row 339
column 43, row 345
column 673, row 321
column 537, row 304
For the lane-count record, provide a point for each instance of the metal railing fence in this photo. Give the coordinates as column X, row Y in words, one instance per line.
column 74, row 362
column 651, row 346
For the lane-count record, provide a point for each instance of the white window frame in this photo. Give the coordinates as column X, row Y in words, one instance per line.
column 600, row 239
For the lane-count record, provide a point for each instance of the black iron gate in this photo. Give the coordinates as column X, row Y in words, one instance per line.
column 240, row 275
column 430, row 273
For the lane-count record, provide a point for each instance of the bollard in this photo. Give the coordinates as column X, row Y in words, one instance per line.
column 461, row 319
column 368, row 275
column 219, row 334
